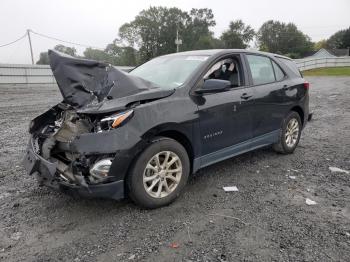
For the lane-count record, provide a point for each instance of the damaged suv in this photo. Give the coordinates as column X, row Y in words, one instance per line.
column 141, row 134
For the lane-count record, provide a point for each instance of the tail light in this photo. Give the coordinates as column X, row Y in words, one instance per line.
column 306, row 85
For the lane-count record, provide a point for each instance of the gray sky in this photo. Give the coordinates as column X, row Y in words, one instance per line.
column 96, row 22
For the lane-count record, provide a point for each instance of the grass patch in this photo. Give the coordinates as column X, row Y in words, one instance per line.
column 328, row 71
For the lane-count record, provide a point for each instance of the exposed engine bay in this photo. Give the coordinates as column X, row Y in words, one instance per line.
column 51, row 141
column 74, row 144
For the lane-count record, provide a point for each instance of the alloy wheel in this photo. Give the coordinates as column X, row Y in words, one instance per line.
column 292, row 132
column 162, row 174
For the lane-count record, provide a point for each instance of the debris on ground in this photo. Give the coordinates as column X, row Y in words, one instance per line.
column 338, row 170
column 310, row 202
column 188, row 232
column 219, row 215
column 4, row 195
column 132, row 257
column 174, row 245
column 16, row 236
column 222, row 258
column 230, row 188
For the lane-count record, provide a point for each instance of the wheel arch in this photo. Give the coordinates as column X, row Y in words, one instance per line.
column 300, row 111
column 173, row 131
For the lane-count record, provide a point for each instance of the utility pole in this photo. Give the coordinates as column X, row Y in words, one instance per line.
column 177, row 41
column 30, row 45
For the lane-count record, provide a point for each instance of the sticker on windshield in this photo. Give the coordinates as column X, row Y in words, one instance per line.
column 197, row 58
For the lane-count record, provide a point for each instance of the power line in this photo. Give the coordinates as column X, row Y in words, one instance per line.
column 14, row 40
column 63, row 41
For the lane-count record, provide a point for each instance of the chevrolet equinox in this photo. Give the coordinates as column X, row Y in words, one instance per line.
column 142, row 133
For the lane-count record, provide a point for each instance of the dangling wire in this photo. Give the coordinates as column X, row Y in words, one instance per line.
column 67, row 42
column 14, row 40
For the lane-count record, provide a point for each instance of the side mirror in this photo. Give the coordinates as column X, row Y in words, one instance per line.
column 213, row 86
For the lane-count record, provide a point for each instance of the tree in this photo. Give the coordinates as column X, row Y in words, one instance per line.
column 123, row 55
column 98, row 55
column 66, row 49
column 340, row 39
column 238, row 35
column 196, row 33
column 44, row 57
column 320, row 44
column 206, row 42
column 154, row 31
column 282, row 38
column 113, row 54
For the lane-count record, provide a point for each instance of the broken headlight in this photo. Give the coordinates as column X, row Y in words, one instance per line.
column 116, row 120
column 101, row 168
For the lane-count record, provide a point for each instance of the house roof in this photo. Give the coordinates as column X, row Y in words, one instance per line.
column 323, row 53
column 328, row 53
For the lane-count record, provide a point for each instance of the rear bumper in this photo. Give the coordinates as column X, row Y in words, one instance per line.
column 48, row 175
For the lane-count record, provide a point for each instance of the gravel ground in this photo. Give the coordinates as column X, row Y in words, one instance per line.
column 267, row 220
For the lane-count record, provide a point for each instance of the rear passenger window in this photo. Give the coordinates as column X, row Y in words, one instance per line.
column 278, row 72
column 261, row 68
column 291, row 65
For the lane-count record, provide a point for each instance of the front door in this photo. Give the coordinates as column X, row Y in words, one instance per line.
column 225, row 117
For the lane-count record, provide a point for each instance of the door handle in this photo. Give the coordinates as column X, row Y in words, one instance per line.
column 245, row 96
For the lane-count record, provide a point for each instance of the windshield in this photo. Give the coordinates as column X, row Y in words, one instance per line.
column 169, row 71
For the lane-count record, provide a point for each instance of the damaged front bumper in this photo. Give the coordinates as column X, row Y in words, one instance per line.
column 48, row 174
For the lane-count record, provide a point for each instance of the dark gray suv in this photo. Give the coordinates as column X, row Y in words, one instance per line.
column 142, row 133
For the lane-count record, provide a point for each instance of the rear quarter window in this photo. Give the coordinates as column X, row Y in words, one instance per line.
column 291, row 65
column 278, row 72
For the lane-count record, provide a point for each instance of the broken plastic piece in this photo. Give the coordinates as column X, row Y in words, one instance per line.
column 339, row 170
column 310, row 202
column 230, row 188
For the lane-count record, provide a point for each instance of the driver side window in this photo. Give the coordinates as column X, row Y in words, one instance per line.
column 228, row 69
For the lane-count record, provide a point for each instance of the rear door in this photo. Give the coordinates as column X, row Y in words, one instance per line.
column 268, row 82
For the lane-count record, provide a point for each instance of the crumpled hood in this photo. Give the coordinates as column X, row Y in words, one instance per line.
column 87, row 84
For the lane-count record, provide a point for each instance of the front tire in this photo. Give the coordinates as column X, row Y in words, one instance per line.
column 159, row 174
column 290, row 134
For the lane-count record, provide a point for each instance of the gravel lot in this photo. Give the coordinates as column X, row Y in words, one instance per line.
column 267, row 220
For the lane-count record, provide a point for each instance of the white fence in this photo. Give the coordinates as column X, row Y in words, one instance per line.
column 311, row 63
column 42, row 74
column 30, row 74
column 26, row 74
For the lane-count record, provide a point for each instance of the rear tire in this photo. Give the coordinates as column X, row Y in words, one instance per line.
column 290, row 134
column 159, row 174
